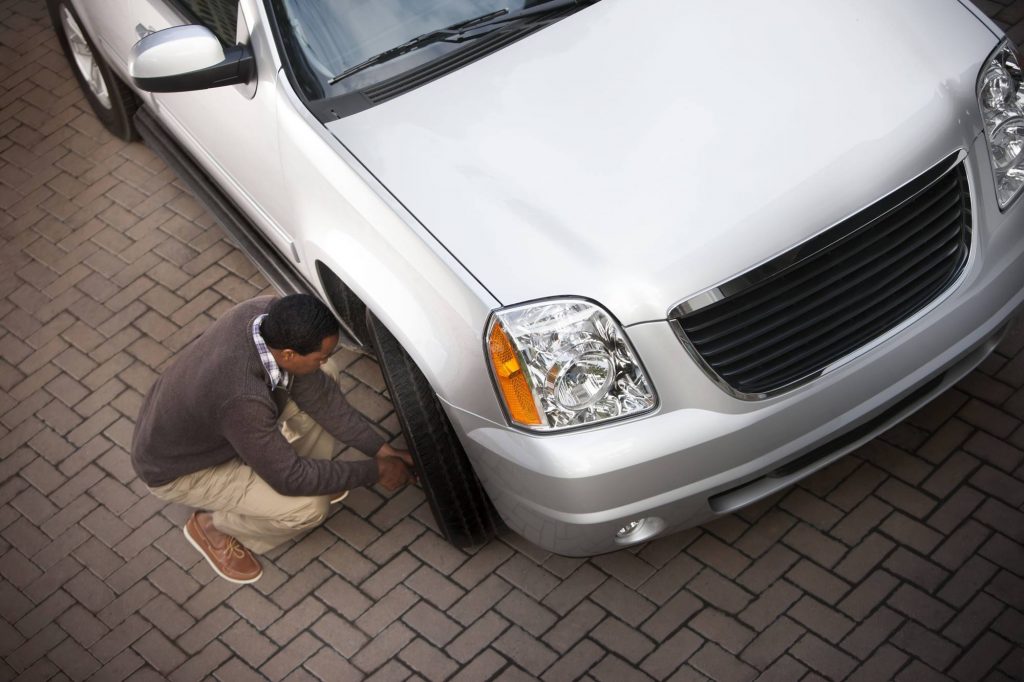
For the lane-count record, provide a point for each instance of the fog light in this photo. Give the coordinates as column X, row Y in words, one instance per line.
column 639, row 530
column 631, row 528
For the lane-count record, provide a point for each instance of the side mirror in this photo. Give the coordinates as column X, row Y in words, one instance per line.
column 184, row 58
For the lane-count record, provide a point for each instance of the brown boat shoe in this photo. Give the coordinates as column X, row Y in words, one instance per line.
column 338, row 497
column 231, row 561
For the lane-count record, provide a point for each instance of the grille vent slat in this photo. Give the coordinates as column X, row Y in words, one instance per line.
column 856, row 313
column 785, row 329
column 870, row 281
column 811, row 271
column 880, row 323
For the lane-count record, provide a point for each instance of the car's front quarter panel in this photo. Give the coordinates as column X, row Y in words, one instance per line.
column 349, row 222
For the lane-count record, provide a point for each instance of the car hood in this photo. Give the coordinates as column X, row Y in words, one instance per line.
column 642, row 151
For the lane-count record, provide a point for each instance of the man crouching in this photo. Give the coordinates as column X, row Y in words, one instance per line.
column 242, row 424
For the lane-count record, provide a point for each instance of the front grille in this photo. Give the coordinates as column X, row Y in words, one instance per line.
column 785, row 322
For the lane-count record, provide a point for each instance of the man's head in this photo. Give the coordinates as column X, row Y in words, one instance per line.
column 301, row 332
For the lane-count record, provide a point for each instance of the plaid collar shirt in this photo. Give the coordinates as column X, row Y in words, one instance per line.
column 277, row 376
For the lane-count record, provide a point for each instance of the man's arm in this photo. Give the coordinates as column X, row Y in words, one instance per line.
column 321, row 398
column 251, row 428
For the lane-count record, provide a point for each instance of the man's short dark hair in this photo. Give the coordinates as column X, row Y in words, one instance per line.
column 299, row 322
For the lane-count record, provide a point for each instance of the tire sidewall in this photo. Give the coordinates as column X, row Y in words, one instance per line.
column 117, row 118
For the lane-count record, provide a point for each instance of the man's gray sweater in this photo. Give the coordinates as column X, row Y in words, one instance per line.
column 214, row 403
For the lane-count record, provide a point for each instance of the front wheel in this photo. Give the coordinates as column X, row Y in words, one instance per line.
column 111, row 100
column 461, row 507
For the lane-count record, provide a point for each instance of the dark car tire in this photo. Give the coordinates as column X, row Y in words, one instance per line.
column 461, row 508
column 116, row 112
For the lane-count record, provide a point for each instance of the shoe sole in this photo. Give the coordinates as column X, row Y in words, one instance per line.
column 341, row 496
column 216, row 570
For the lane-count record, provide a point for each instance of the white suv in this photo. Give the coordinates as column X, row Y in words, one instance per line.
column 627, row 265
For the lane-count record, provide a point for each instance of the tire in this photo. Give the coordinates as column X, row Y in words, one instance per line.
column 113, row 102
column 461, row 508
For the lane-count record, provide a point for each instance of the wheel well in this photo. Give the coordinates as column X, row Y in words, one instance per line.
column 347, row 306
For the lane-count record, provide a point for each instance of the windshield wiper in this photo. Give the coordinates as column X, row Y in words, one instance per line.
column 458, row 33
column 419, row 41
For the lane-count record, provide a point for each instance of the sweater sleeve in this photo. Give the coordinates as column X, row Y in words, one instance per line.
column 251, row 428
column 321, row 398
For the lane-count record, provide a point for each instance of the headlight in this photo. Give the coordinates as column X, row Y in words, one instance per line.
column 565, row 362
column 1001, row 96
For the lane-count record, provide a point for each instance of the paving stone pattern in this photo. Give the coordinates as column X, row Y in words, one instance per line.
column 902, row 561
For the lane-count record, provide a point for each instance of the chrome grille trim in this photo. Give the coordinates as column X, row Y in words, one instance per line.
column 922, row 230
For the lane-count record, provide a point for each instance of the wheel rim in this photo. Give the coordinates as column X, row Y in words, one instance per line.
column 86, row 63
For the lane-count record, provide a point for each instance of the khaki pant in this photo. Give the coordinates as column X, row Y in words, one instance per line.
column 243, row 504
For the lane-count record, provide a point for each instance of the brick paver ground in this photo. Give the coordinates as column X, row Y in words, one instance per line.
column 902, row 561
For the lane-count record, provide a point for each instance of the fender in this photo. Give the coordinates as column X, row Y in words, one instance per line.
column 350, row 223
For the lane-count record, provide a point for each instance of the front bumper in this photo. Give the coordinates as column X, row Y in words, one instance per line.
column 704, row 453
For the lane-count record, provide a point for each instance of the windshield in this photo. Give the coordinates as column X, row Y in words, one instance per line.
column 326, row 37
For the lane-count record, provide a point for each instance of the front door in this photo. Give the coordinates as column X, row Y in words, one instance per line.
column 230, row 131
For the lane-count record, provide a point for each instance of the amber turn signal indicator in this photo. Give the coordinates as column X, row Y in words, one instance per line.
column 511, row 379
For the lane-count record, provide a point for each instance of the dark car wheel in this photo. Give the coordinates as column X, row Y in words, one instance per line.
column 461, row 507
column 112, row 100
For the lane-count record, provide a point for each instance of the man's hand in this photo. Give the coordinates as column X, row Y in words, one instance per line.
column 394, row 467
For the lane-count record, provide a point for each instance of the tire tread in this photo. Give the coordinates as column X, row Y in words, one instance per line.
column 461, row 507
